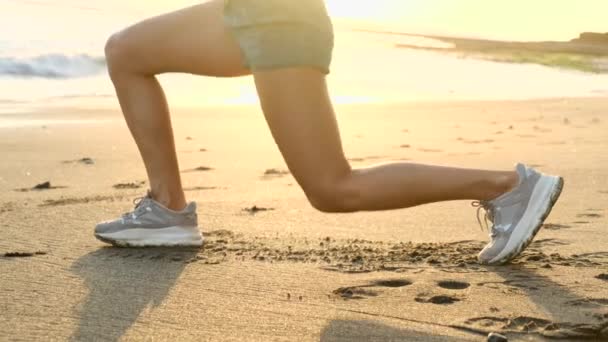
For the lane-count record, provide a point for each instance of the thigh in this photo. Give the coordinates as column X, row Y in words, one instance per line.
column 299, row 113
column 192, row 40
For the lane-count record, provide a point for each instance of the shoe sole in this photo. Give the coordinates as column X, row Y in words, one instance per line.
column 159, row 237
column 534, row 217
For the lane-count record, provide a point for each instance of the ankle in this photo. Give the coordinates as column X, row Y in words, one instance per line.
column 502, row 184
column 173, row 201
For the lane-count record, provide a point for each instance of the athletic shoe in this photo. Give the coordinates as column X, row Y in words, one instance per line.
column 518, row 215
column 151, row 224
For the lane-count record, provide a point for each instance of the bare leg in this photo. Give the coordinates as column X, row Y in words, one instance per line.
column 192, row 40
column 300, row 115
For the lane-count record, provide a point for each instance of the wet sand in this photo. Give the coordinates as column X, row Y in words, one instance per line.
column 272, row 268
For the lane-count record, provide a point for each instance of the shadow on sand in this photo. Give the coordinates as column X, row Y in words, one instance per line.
column 569, row 318
column 122, row 282
column 364, row 330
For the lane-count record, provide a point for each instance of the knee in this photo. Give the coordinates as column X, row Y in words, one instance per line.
column 116, row 52
column 335, row 196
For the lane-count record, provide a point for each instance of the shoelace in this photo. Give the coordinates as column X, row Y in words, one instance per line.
column 139, row 209
column 488, row 214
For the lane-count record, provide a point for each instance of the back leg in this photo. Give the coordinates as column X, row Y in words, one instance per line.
column 298, row 110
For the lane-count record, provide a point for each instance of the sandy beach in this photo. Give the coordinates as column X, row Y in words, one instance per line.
column 272, row 268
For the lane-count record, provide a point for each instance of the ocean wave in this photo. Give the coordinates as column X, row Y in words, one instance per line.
column 52, row 66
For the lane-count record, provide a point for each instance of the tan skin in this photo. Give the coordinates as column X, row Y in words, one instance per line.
column 298, row 110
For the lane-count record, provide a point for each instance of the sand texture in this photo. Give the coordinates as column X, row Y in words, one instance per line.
column 272, row 268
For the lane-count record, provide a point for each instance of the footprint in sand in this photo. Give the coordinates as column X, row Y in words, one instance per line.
column 521, row 323
column 364, row 291
column 543, row 327
column 589, row 302
column 440, row 299
column 354, row 293
column 453, row 285
column 392, row 283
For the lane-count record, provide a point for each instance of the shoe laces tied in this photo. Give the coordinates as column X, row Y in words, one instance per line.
column 139, row 208
column 489, row 211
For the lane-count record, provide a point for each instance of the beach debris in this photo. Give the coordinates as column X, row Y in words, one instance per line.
column 197, row 188
column 275, row 172
column 496, row 337
column 42, row 186
column 132, row 185
column 71, row 200
column 23, row 254
column 85, row 160
column 199, row 169
column 602, row 276
column 255, row 209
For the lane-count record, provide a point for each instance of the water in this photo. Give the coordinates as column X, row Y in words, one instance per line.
column 51, row 55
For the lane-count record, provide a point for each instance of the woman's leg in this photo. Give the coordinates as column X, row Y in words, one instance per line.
column 193, row 40
column 300, row 115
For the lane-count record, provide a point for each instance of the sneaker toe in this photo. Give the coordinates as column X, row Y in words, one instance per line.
column 488, row 253
column 104, row 227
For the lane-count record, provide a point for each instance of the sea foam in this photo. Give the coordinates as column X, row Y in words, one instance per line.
column 52, row 66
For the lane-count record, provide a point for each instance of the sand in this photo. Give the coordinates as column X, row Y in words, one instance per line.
column 273, row 268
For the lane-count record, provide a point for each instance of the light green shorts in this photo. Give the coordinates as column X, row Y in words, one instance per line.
column 276, row 34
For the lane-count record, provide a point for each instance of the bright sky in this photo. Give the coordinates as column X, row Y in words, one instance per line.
column 501, row 19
